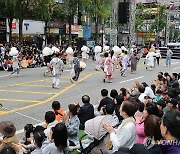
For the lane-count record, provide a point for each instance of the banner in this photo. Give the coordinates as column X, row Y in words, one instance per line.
column 87, row 32
column 80, row 31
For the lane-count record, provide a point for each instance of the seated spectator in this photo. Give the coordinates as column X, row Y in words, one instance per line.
column 105, row 100
column 174, row 82
column 8, row 150
column 151, row 109
column 125, row 134
column 153, row 134
column 158, row 95
column 172, row 104
column 86, row 111
column 170, row 131
column 118, row 101
column 72, row 123
column 148, row 91
column 142, row 95
column 50, row 120
column 140, row 136
column 56, row 106
column 161, row 105
column 8, row 130
column 123, row 92
column 24, row 63
column 59, row 141
column 113, row 94
column 28, row 130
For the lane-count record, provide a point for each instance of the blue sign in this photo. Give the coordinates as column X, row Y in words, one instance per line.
column 86, row 32
column 26, row 25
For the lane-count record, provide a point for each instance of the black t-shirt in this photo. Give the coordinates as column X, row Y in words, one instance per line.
column 105, row 101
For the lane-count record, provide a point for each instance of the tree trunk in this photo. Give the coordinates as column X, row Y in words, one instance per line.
column 10, row 29
column 96, row 30
column 20, row 30
column 70, row 36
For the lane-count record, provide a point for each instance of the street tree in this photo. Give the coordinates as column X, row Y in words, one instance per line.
column 100, row 11
column 8, row 10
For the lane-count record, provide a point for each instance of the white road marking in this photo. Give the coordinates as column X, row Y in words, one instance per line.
column 176, row 68
column 132, row 79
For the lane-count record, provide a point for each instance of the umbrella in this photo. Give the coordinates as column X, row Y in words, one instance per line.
column 97, row 49
column 69, row 50
column 13, row 51
column 55, row 49
column 117, row 50
column 106, row 48
column 93, row 127
column 47, row 51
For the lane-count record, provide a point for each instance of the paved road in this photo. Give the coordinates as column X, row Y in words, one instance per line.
column 28, row 97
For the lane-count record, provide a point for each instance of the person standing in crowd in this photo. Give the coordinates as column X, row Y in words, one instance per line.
column 170, row 131
column 125, row 63
column 85, row 112
column 134, row 59
column 15, row 66
column 77, row 69
column 158, row 55
column 150, row 58
column 108, row 67
column 168, row 57
column 57, row 68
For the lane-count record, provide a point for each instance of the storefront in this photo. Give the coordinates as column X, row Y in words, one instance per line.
column 33, row 31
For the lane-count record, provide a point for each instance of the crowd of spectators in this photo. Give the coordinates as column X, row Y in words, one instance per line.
column 147, row 119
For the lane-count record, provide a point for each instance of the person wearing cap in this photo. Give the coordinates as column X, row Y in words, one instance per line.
column 172, row 104
column 8, row 130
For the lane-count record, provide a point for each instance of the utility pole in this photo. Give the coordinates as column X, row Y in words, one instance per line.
column 132, row 23
column 113, row 23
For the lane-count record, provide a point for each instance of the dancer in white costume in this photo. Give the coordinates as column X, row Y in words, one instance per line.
column 57, row 69
column 85, row 50
column 150, row 58
column 70, row 53
column 97, row 51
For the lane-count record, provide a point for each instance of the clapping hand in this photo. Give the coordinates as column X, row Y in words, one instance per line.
column 108, row 128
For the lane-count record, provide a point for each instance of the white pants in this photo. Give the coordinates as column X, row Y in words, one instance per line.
column 56, row 81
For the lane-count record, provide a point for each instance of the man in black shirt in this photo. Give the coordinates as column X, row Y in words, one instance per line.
column 106, row 100
column 85, row 112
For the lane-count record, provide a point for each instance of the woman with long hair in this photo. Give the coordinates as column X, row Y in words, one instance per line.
column 59, row 140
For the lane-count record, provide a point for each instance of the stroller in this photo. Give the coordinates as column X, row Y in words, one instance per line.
column 96, row 135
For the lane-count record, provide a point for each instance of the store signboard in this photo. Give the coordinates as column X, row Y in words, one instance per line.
column 28, row 27
column 80, row 31
column 86, row 32
column 2, row 25
column 74, row 29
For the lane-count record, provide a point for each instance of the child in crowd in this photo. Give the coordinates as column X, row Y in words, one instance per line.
column 56, row 106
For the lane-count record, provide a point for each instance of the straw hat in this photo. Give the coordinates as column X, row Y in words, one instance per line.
column 7, row 128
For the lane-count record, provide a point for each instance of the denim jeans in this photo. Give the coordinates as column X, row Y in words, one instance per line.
column 168, row 61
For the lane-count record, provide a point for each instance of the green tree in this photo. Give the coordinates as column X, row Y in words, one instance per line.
column 42, row 9
column 100, row 10
column 8, row 11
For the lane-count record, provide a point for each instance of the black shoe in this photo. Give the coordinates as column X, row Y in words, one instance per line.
column 104, row 80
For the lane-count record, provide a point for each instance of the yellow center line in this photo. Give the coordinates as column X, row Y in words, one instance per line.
column 27, row 92
column 19, row 100
column 3, row 112
column 50, row 98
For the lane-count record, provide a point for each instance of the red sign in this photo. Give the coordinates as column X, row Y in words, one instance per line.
column 74, row 29
column 13, row 25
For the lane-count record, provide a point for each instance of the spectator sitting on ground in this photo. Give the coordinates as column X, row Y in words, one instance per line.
column 59, row 112
column 125, row 134
column 161, row 105
column 8, row 130
column 8, row 150
column 50, row 120
column 142, row 95
column 72, row 123
column 172, row 104
column 85, row 112
column 59, row 140
column 174, row 83
column 148, row 91
column 105, row 100
column 170, row 131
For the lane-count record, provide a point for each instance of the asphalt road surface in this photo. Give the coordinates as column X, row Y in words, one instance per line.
column 28, row 97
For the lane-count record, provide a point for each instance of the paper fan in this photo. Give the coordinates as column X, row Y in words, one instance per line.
column 13, row 51
column 69, row 50
column 55, row 49
column 116, row 50
column 97, row 49
column 106, row 48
